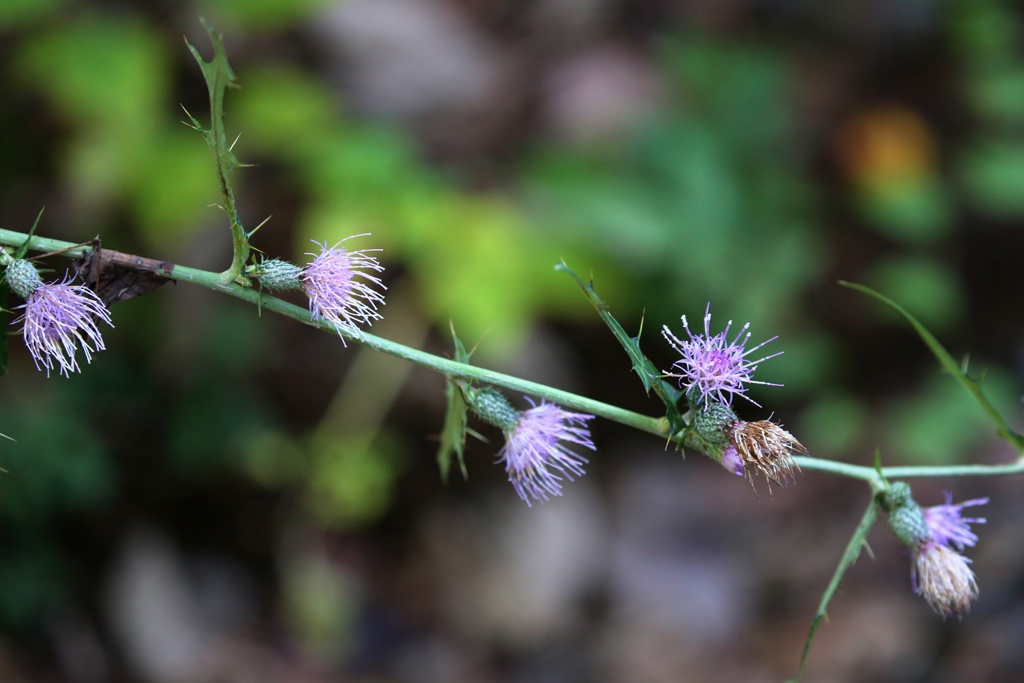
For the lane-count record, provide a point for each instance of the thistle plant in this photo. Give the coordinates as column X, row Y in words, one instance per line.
column 544, row 445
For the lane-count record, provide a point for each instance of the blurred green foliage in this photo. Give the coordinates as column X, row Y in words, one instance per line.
column 109, row 76
column 58, row 468
column 991, row 162
column 699, row 201
column 468, row 253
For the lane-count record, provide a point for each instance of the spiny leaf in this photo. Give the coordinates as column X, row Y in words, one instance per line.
column 219, row 76
column 453, row 436
column 949, row 364
column 645, row 369
column 857, row 541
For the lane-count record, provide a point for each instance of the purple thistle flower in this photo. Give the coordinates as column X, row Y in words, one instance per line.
column 335, row 293
column 947, row 525
column 535, row 453
column 732, row 461
column 713, row 367
column 58, row 318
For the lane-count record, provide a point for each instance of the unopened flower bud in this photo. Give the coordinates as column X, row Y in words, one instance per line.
column 22, row 277
column 492, row 407
column 277, row 275
column 711, row 424
column 906, row 519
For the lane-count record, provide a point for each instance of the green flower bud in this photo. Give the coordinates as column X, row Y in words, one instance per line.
column 711, row 425
column 906, row 518
column 22, row 277
column 276, row 274
column 490, row 406
column 898, row 494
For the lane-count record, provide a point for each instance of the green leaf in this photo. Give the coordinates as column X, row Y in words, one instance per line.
column 645, row 369
column 219, row 77
column 970, row 385
column 453, row 436
column 850, row 555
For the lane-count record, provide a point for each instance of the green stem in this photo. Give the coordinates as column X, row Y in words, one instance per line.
column 949, row 364
column 877, row 480
column 653, row 425
column 857, row 541
column 214, row 281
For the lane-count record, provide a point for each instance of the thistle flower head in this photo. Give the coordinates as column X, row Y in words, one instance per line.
column 947, row 525
column 536, row 452
column 765, row 448
column 341, row 285
column 941, row 576
column 712, row 367
column 59, row 318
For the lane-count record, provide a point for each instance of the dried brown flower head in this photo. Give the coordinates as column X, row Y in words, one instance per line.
column 942, row 577
column 767, row 448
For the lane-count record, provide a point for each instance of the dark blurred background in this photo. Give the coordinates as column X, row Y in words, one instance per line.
column 227, row 497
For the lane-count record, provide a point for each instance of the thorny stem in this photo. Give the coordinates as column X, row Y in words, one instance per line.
column 657, row 426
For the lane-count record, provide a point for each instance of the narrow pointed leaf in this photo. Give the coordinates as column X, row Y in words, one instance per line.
column 648, row 373
column 453, row 436
column 949, row 364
